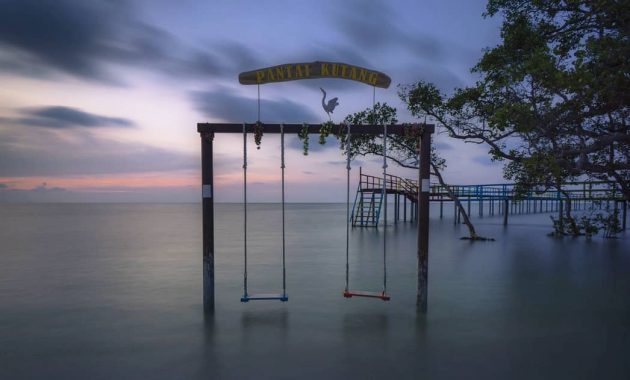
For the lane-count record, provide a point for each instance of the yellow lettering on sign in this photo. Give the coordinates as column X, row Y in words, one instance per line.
column 318, row 69
column 363, row 75
column 353, row 73
column 335, row 70
column 260, row 75
column 343, row 70
column 324, row 70
column 279, row 73
column 372, row 78
column 270, row 75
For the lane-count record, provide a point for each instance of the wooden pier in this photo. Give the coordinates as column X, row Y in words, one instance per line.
column 489, row 199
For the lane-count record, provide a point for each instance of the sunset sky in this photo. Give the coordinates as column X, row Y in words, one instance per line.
column 99, row 100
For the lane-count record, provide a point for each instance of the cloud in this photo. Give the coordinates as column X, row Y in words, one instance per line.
column 224, row 104
column 354, row 162
column 43, row 188
column 86, row 38
column 485, row 160
column 41, row 193
column 66, row 117
column 48, row 152
column 295, row 143
column 373, row 25
column 441, row 145
column 46, row 193
column 3, row 186
column 71, row 37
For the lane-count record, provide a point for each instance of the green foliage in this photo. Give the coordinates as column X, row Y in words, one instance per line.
column 552, row 99
column 609, row 222
column 324, row 131
column 588, row 224
column 258, row 133
column 303, row 136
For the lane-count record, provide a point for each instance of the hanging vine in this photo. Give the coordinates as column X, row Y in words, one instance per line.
column 258, row 133
column 341, row 134
column 303, row 136
column 324, row 131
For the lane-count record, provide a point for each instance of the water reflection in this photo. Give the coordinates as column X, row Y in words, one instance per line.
column 363, row 323
column 119, row 296
column 278, row 318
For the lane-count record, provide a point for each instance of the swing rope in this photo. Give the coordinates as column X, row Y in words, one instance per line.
column 385, row 208
column 245, row 208
column 282, row 166
column 348, row 217
column 351, row 293
column 246, row 296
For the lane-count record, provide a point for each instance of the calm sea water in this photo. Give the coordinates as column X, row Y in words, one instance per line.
column 102, row 291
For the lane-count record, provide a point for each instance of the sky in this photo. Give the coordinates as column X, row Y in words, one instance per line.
column 99, row 100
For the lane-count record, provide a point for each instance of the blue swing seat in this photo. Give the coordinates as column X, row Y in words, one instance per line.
column 359, row 293
column 265, row 297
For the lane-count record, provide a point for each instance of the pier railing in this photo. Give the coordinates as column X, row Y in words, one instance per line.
column 500, row 197
column 599, row 190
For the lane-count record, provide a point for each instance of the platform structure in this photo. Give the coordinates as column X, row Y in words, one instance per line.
column 207, row 133
column 488, row 199
column 369, row 198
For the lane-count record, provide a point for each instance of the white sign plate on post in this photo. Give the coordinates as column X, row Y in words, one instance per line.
column 206, row 191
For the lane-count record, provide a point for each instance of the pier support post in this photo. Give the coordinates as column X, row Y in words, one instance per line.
column 505, row 213
column 455, row 211
column 208, row 221
column 423, row 221
column 625, row 215
column 405, row 208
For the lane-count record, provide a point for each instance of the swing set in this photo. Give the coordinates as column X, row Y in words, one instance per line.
column 298, row 71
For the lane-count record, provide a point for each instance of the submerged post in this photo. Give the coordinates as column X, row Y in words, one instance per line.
column 505, row 211
column 625, row 215
column 423, row 219
column 208, row 221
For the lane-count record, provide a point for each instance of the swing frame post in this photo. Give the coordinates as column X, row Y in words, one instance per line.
column 424, row 187
column 207, row 180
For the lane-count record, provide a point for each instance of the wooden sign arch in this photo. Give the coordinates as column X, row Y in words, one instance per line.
column 313, row 70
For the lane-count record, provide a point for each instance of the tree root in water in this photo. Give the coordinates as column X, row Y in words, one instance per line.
column 476, row 238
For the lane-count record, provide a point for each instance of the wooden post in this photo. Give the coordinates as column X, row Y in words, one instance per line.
column 505, row 213
column 208, row 221
column 480, row 195
column 561, row 215
column 423, row 221
column 469, row 215
column 405, row 208
column 625, row 215
column 396, row 205
column 454, row 213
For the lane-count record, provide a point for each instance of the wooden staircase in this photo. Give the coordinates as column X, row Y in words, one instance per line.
column 369, row 198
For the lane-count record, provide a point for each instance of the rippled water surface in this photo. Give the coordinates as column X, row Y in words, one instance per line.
column 101, row 291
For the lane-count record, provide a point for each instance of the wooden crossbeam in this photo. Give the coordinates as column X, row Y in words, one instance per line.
column 394, row 129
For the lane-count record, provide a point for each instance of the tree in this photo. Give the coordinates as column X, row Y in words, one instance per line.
column 552, row 99
column 403, row 150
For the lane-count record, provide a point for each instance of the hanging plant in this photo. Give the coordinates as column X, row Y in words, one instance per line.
column 303, row 136
column 340, row 134
column 258, row 133
column 324, row 131
column 412, row 131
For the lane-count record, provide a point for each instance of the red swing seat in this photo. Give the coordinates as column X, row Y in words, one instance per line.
column 360, row 293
